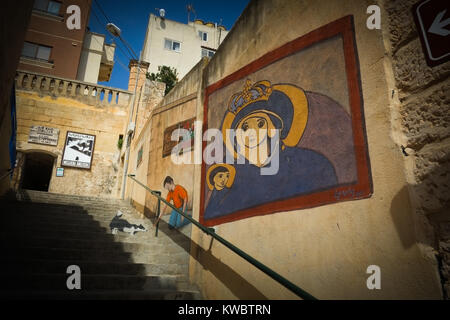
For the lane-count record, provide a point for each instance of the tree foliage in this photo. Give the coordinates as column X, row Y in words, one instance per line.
column 165, row 74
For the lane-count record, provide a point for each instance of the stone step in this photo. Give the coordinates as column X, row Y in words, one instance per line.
column 49, row 282
column 94, row 229
column 103, row 295
column 44, row 226
column 46, row 218
column 28, row 266
column 93, row 255
column 58, row 209
column 44, row 233
column 8, row 240
column 33, row 194
column 175, row 238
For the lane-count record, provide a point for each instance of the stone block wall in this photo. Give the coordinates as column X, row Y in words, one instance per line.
column 403, row 227
column 70, row 105
column 421, row 106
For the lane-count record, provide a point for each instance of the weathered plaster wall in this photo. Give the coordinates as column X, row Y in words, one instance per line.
column 420, row 107
column 178, row 105
column 149, row 97
column 325, row 250
column 75, row 113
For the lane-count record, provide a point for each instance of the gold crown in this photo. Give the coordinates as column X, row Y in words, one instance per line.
column 259, row 91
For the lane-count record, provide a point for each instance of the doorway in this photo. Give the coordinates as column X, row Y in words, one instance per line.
column 37, row 171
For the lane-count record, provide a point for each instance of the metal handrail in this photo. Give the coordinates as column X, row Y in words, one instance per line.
column 6, row 174
column 210, row 231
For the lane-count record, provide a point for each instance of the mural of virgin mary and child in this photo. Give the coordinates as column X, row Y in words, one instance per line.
column 314, row 147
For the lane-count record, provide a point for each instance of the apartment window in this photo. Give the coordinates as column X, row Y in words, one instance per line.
column 48, row 6
column 36, row 51
column 203, row 35
column 172, row 45
column 207, row 53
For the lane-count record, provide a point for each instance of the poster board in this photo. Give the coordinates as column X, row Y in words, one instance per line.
column 78, row 150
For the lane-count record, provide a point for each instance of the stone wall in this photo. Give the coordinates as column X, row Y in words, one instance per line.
column 421, row 111
column 70, row 105
column 149, row 97
column 326, row 250
column 178, row 105
column 15, row 17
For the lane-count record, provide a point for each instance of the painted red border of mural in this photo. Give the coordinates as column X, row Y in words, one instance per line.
column 363, row 188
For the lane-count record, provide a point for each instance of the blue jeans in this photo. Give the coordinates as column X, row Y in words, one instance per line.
column 175, row 219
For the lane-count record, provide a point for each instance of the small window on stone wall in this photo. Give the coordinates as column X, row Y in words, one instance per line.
column 120, row 141
column 139, row 156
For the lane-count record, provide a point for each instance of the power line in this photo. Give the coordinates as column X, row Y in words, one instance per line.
column 102, row 25
column 103, row 12
column 118, row 46
column 129, row 48
column 117, row 57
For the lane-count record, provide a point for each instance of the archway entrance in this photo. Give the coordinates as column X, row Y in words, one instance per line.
column 37, row 171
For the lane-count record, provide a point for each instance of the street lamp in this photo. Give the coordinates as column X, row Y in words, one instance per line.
column 113, row 29
column 116, row 32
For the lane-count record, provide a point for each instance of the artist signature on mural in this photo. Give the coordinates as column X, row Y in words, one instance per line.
column 349, row 193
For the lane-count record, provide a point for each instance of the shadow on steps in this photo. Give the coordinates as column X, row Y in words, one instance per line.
column 39, row 241
column 238, row 285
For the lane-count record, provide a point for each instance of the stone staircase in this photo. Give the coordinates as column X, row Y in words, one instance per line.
column 41, row 234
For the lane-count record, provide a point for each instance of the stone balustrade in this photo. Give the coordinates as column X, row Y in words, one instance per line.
column 88, row 93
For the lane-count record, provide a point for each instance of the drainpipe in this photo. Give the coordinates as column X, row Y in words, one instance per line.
column 127, row 152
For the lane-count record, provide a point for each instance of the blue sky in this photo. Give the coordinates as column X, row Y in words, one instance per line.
column 131, row 16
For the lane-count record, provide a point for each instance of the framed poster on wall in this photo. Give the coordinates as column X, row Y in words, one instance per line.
column 78, row 150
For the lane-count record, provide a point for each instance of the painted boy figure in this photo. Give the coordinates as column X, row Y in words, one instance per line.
column 179, row 196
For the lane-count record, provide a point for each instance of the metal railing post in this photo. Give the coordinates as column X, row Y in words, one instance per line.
column 158, row 212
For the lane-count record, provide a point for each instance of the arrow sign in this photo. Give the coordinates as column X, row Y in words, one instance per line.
column 433, row 26
column 438, row 25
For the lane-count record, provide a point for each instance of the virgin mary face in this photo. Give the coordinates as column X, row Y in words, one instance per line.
column 252, row 131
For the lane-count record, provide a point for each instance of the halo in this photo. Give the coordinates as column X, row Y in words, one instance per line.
column 231, row 170
column 299, row 118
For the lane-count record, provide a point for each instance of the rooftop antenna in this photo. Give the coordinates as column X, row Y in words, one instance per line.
column 190, row 8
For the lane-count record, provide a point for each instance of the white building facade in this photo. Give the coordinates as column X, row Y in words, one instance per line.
column 180, row 45
column 97, row 59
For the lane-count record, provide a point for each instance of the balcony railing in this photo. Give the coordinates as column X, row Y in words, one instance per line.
column 88, row 93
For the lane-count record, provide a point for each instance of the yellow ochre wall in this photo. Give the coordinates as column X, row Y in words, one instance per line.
column 180, row 104
column 70, row 114
column 325, row 250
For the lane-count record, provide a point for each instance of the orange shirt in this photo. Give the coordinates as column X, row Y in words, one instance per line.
column 178, row 195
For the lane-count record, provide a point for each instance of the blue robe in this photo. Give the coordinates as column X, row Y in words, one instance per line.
column 301, row 171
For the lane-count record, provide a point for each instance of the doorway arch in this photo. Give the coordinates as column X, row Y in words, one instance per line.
column 37, row 170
